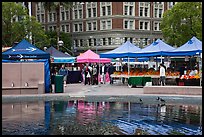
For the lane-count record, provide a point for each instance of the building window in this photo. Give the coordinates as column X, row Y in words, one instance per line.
column 81, row 42
column 67, row 15
column 155, row 12
column 89, row 12
column 50, row 28
column 90, row 42
column 89, row 26
column 109, row 41
column 38, row 18
column 160, row 13
column 103, row 11
column 141, row 11
column 50, row 17
column 75, row 27
column 106, row 24
column 55, row 28
column 126, row 10
column 80, row 27
column 105, row 8
column 94, row 25
column 128, row 24
column 80, row 14
column 67, row 28
column 54, row 17
column 75, row 14
column 94, row 12
column 104, row 41
column 144, row 25
column 62, row 17
column 108, row 10
column 131, row 10
column 63, row 28
column 144, row 9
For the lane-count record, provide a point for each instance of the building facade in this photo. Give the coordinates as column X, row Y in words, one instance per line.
column 103, row 26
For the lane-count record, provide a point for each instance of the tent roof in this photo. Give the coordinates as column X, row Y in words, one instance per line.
column 191, row 47
column 56, row 53
column 157, row 46
column 122, row 51
column 91, row 57
column 24, row 50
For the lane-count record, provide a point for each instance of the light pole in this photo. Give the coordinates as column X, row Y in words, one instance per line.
column 61, row 43
column 151, row 23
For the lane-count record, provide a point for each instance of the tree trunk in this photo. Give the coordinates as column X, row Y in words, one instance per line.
column 58, row 24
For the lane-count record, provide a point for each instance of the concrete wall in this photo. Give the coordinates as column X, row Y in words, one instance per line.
column 22, row 78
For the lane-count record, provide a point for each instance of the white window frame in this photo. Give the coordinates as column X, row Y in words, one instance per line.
column 106, row 24
column 129, row 4
column 105, row 4
column 158, row 7
column 143, row 25
column 128, row 24
column 144, row 5
column 91, row 6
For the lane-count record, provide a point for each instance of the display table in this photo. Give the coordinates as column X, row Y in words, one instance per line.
column 138, row 81
column 188, row 82
column 74, row 77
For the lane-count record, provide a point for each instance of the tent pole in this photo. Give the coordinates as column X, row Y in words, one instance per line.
column 128, row 66
column 161, row 58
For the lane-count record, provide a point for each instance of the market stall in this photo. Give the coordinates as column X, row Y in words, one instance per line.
column 25, row 52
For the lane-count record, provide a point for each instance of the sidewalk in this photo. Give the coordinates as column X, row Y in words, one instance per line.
column 104, row 92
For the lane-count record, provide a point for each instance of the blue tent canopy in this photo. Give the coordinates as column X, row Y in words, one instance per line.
column 123, row 51
column 60, row 57
column 157, row 48
column 190, row 48
column 24, row 50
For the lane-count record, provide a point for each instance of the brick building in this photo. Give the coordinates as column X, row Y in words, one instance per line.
column 103, row 26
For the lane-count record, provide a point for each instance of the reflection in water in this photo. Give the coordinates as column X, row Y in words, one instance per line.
column 82, row 117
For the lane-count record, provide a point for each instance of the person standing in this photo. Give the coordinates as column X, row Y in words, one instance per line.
column 111, row 70
column 87, row 75
column 103, row 73
column 162, row 74
column 95, row 76
column 124, row 69
column 63, row 71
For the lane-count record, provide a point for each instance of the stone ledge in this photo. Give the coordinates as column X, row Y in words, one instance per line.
column 176, row 90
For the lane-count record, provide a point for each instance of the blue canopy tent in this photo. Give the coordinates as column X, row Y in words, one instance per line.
column 60, row 57
column 25, row 50
column 157, row 48
column 121, row 52
column 190, row 48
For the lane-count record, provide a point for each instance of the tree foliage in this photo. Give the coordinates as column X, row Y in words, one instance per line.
column 15, row 31
column 65, row 37
column 182, row 22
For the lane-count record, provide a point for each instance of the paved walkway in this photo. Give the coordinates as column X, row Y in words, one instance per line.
column 103, row 91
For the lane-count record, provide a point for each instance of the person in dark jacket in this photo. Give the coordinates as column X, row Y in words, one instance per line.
column 111, row 70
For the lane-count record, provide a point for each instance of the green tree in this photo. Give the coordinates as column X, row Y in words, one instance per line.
column 56, row 6
column 65, row 37
column 182, row 22
column 15, row 31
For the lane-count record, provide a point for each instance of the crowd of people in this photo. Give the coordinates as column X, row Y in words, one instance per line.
column 92, row 73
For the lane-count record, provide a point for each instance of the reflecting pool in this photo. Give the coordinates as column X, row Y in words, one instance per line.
column 78, row 117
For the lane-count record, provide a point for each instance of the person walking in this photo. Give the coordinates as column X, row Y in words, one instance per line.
column 162, row 74
column 63, row 71
column 111, row 70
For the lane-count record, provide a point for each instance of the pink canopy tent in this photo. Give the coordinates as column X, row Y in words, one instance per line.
column 91, row 57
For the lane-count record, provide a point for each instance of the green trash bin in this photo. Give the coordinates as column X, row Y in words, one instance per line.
column 59, row 84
